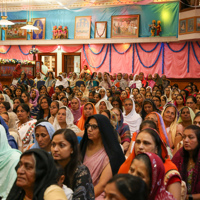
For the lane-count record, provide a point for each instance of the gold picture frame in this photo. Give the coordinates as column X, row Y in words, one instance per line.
column 41, row 24
column 125, row 26
column 100, row 31
column 14, row 32
column 82, row 28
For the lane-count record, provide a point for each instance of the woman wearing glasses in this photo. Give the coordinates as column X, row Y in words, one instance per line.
column 101, row 152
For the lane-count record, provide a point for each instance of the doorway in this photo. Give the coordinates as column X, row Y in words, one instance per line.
column 71, row 62
column 49, row 60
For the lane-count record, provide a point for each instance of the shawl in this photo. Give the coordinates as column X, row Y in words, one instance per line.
column 49, row 82
column 158, row 191
column 143, row 113
column 132, row 119
column 106, row 84
column 50, row 130
column 138, row 83
column 192, row 114
column 108, row 105
column 69, row 121
column 158, row 80
column 46, row 173
column 76, row 113
column 105, row 96
column 10, row 138
column 81, row 122
column 17, row 71
column 123, row 130
column 170, row 95
column 121, row 83
column 110, row 142
column 144, row 82
column 161, row 128
column 168, row 164
column 63, row 82
column 7, row 99
column 24, row 80
column 178, row 160
column 151, row 82
column 9, row 158
column 150, row 88
column 34, row 101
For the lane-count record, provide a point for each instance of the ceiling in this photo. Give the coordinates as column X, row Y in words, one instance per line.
column 19, row 5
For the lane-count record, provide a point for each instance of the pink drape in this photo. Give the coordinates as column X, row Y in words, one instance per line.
column 175, row 64
column 71, row 49
column 15, row 53
column 46, row 49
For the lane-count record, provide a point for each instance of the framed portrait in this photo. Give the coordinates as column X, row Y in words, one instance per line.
column 82, row 27
column 197, row 24
column 41, row 24
column 6, row 70
column 15, row 32
column 190, row 25
column 125, row 26
column 37, row 66
column 182, row 26
column 100, row 30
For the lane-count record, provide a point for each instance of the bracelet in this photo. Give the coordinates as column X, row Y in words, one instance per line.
column 190, row 197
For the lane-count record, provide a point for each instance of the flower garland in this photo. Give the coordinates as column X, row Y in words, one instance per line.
column 195, row 53
column 133, row 60
column 188, row 62
column 110, row 59
column 121, row 52
column 33, row 51
column 177, row 50
column 6, row 51
column 88, row 60
column 98, row 52
column 15, row 61
column 26, row 54
column 155, row 60
column 149, row 50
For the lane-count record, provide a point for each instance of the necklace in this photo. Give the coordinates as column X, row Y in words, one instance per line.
column 102, row 32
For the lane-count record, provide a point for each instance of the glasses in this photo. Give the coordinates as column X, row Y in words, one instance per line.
column 93, row 126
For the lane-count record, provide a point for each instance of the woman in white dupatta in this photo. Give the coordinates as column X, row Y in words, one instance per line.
column 130, row 116
column 103, row 105
column 65, row 119
column 135, row 83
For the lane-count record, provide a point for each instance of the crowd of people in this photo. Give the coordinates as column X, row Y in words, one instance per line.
column 99, row 136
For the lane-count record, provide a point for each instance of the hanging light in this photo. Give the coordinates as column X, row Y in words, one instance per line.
column 4, row 21
column 29, row 25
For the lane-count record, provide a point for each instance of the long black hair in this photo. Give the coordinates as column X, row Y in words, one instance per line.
column 41, row 112
column 75, row 156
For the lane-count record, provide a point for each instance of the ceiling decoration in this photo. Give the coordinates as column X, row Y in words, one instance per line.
column 20, row 5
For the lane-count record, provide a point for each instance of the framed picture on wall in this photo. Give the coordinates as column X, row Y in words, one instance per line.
column 100, row 30
column 182, row 26
column 82, row 27
column 15, row 32
column 41, row 24
column 37, row 66
column 190, row 25
column 198, row 24
column 125, row 26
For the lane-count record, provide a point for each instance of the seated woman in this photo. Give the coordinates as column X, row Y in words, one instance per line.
column 130, row 116
column 25, row 125
column 180, row 102
column 44, row 108
column 50, row 82
column 148, row 107
column 191, row 102
column 65, row 151
column 64, row 119
column 187, row 161
column 124, row 95
column 26, row 98
column 148, row 140
column 34, row 97
column 150, row 168
column 103, row 105
column 11, row 131
column 197, row 119
column 36, row 178
column 43, row 133
column 122, row 129
column 23, row 79
column 120, row 187
column 102, row 92
column 117, row 103
column 101, row 152
column 65, row 101
column 88, row 110
column 9, row 159
column 76, row 109
column 174, row 131
column 55, row 105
